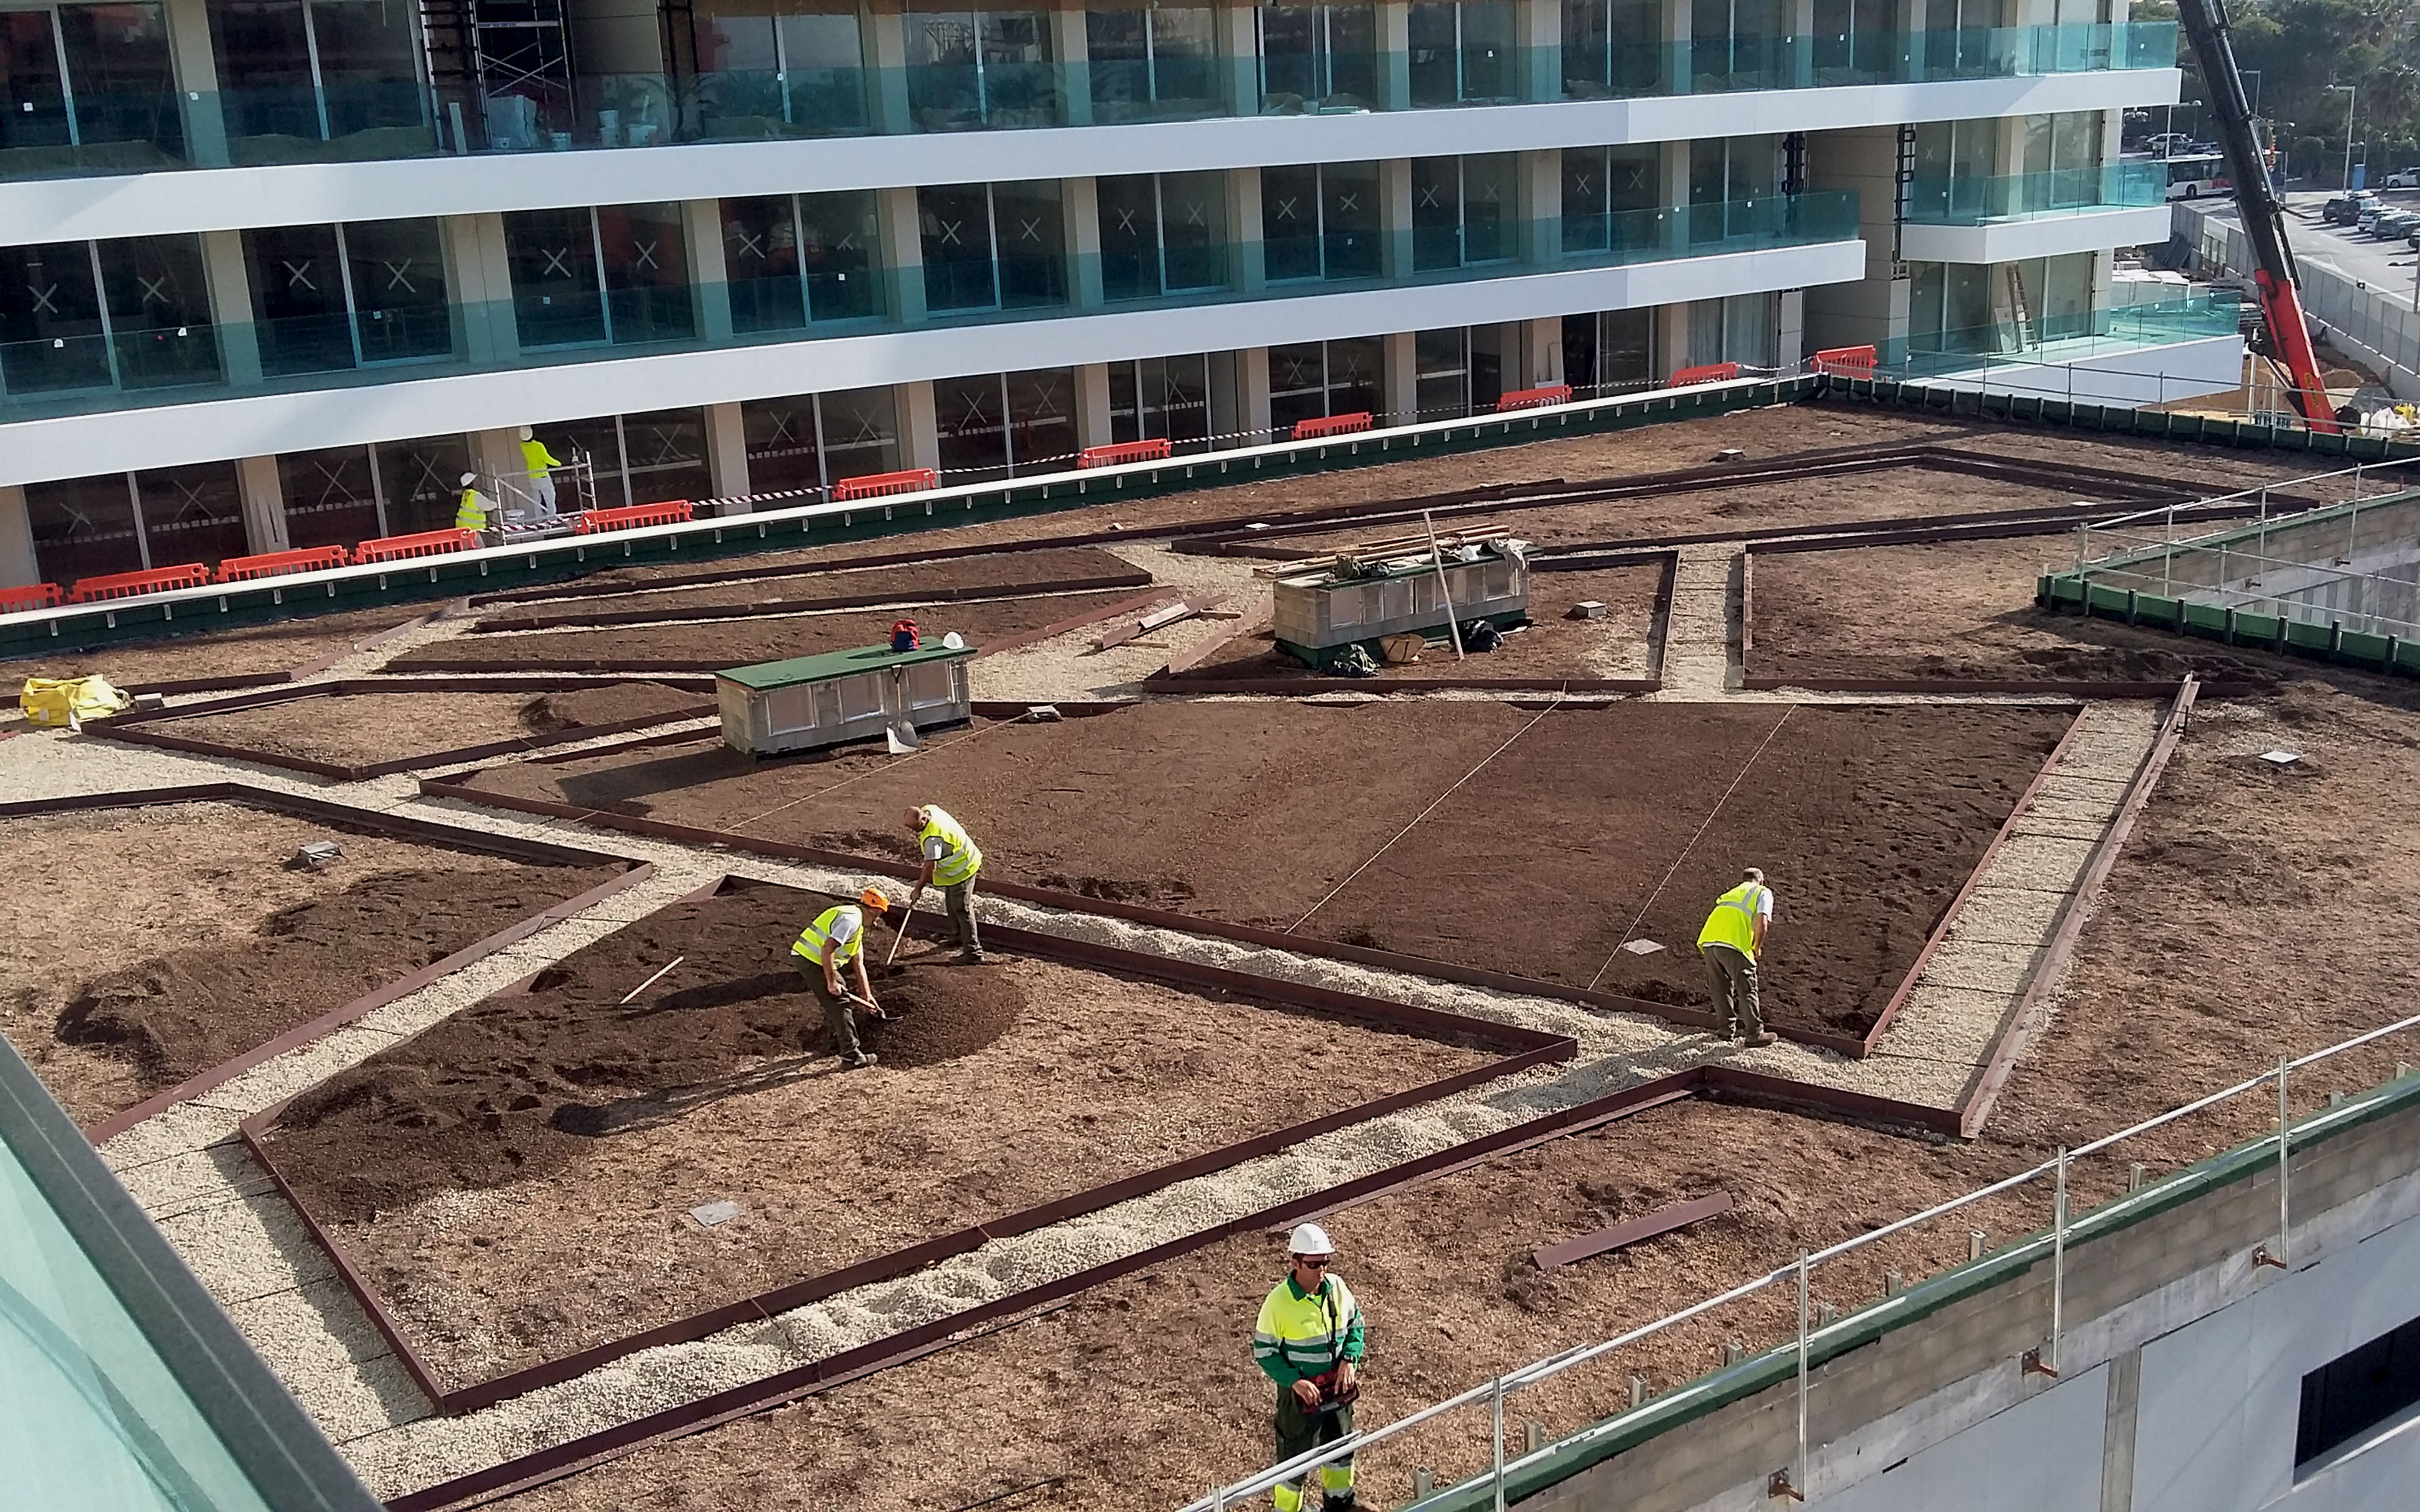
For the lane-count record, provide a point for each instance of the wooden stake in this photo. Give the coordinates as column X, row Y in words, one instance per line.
column 1454, row 627
column 652, row 980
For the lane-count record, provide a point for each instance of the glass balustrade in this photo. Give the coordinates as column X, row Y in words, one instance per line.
column 1935, row 199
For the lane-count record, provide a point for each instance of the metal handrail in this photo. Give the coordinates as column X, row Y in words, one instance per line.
column 1554, row 1364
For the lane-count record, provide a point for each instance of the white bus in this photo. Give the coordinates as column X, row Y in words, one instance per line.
column 2196, row 175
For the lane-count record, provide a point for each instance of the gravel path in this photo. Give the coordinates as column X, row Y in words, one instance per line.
column 1700, row 645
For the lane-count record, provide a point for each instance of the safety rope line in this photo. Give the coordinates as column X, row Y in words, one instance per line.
column 1425, row 813
column 1670, row 871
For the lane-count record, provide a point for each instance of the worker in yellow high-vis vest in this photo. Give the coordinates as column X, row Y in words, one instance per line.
column 1732, row 941
column 1309, row 1340
column 950, row 859
column 540, row 464
column 837, row 939
column 474, row 510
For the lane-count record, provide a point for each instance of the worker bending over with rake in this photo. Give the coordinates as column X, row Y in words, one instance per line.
column 1731, row 941
column 951, row 858
column 837, row 939
column 1309, row 1341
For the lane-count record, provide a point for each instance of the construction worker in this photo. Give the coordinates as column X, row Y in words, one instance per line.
column 1309, row 1341
column 474, row 509
column 1731, row 943
column 837, row 938
column 951, row 859
column 540, row 463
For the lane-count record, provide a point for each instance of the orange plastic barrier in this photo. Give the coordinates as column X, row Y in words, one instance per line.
column 629, row 516
column 1538, row 398
column 1848, row 361
column 426, row 544
column 1155, row 450
column 1311, row 430
column 1711, row 373
column 31, row 597
column 876, row 484
column 129, row 584
column 272, row 563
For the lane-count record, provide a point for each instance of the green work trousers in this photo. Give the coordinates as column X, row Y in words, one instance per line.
column 1299, row 1432
column 960, row 898
column 1733, row 976
column 840, row 1014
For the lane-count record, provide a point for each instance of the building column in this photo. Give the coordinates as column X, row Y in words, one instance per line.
column 1400, row 379
column 1802, row 51
column 920, row 430
column 1673, row 167
column 903, row 252
column 504, row 474
column 1395, row 259
column 1671, row 339
column 1540, row 205
column 197, row 82
column 18, row 564
column 1790, row 330
column 1252, row 394
column 709, row 280
column 886, row 58
column 478, row 276
column 1092, row 427
column 1542, row 353
column 1072, row 46
column 1910, row 29
column 1080, row 204
column 1538, row 34
column 231, row 306
column 726, row 455
column 263, row 493
column 1248, row 268
column 1679, row 18
column 1239, row 53
column 1395, row 54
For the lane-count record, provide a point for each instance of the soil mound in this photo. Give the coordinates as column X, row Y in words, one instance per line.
column 526, row 1082
column 174, row 1015
column 572, row 708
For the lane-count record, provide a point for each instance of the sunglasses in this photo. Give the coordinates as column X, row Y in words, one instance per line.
column 1309, row 1264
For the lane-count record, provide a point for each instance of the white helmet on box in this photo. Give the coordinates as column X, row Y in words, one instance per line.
column 1310, row 1241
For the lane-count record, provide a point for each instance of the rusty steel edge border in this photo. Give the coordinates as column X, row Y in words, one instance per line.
column 134, row 729
column 1003, row 709
column 693, row 836
column 541, row 1466
column 371, row 642
column 1973, row 879
column 233, row 681
column 766, row 608
column 1527, row 1048
column 1976, row 1106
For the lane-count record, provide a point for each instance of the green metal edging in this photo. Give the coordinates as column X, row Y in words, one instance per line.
column 2276, row 634
column 1567, row 1457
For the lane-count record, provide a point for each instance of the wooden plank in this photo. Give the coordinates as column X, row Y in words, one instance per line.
column 1662, row 1221
column 1158, row 619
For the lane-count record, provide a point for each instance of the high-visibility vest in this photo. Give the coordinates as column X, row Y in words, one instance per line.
column 1300, row 1334
column 815, row 937
column 1733, row 920
column 471, row 513
column 535, row 457
column 960, row 859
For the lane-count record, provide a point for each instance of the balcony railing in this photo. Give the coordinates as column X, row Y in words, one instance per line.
column 2066, row 338
column 99, row 371
column 350, row 123
column 1935, row 199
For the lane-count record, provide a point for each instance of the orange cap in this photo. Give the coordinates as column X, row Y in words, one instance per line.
column 875, row 898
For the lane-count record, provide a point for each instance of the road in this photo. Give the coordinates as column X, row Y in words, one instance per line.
column 2388, row 266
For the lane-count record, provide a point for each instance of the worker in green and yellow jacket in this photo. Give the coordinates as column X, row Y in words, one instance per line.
column 1731, row 942
column 1309, row 1341
column 950, row 859
column 837, row 939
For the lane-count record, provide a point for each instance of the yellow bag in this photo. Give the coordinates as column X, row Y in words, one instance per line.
column 71, row 700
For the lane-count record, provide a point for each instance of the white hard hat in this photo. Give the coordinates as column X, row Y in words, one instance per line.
column 1310, row 1240
column 527, row 434
column 469, row 478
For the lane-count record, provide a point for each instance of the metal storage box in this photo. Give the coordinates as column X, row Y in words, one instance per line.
column 811, row 701
column 1317, row 614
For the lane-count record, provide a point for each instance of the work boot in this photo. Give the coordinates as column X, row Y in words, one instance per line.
column 1341, row 1501
column 1759, row 1040
column 860, row 1062
column 970, row 958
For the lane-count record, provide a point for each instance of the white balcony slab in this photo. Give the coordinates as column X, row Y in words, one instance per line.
column 2040, row 236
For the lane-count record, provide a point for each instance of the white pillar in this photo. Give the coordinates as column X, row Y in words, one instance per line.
column 726, row 455
column 263, row 493
column 1678, row 17
column 198, row 79
column 1092, row 404
column 1252, row 394
column 1080, row 204
column 920, row 431
column 1671, row 339
column 479, row 280
column 1072, row 49
column 231, row 305
column 1251, row 270
column 1239, row 39
column 710, row 281
column 1395, row 54
column 1790, row 331
column 18, row 565
column 886, row 49
column 1540, row 36
column 1395, row 217
column 1542, row 352
column 1401, row 379
column 504, row 474
column 903, row 251
column 1540, row 205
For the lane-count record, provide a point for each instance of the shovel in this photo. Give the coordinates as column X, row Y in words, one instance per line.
column 901, row 938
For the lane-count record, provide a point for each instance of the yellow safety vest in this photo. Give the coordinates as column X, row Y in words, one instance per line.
column 471, row 513
column 1300, row 1333
column 812, row 940
column 535, row 457
column 1733, row 920
column 961, row 860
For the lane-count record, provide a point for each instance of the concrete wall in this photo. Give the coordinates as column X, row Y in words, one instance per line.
column 2182, row 1367
column 2136, row 375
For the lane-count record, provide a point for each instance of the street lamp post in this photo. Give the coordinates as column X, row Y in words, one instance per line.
column 2350, row 91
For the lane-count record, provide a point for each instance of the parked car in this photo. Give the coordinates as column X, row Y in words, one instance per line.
column 2344, row 209
column 2167, row 144
column 2394, row 225
column 2404, row 178
column 2368, row 217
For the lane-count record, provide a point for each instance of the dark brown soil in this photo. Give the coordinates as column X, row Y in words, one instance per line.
column 150, row 944
column 711, row 646
column 280, row 646
column 951, row 578
column 1554, row 645
column 1955, row 611
column 1867, row 821
column 1000, row 1087
column 360, row 728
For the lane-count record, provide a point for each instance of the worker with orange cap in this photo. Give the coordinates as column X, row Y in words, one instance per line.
column 837, row 938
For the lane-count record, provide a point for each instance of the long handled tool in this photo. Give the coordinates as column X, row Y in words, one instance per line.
column 652, row 980
column 901, row 937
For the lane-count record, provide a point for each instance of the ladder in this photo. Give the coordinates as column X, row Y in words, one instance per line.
column 2020, row 313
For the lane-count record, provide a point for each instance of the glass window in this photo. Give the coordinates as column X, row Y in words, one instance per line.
column 760, row 263
column 1290, row 222
column 1462, row 211
column 1441, row 365
column 395, row 274
column 1610, row 195
column 293, row 74
column 367, row 72
column 556, row 299
column 191, row 513
column 860, row 433
column 1041, row 420
column 664, row 456
column 118, row 70
column 1437, row 213
column 1318, row 57
column 1856, row 41
column 1161, row 398
column 1612, row 49
column 783, row 453
column 798, row 73
column 298, row 299
column 1154, row 62
column 83, row 527
column 969, row 69
column 647, row 275
column 51, row 331
column 1462, row 51
column 1316, row 378
column 970, row 435
column 1162, row 233
column 331, row 496
column 159, row 311
column 1030, row 232
column 264, row 63
column 991, row 246
column 814, row 440
column 954, row 222
column 419, row 481
column 33, row 91
column 1320, row 221
column 836, row 241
